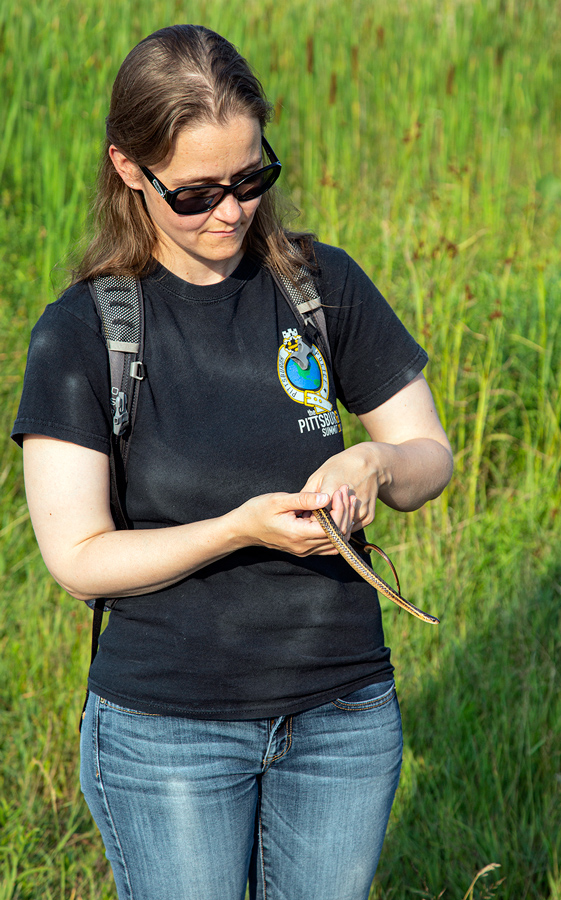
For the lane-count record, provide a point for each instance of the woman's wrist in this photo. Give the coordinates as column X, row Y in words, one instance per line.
column 376, row 461
column 235, row 530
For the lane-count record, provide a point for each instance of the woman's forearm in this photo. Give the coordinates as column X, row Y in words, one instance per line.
column 127, row 563
column 68, row 496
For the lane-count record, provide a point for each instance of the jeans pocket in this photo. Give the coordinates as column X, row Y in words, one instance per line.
column 373, row 696
column 126, row 709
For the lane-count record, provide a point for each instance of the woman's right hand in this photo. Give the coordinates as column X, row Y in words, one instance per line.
column 284, row 522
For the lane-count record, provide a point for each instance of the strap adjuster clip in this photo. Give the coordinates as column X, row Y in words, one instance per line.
column 120, row 412
column 137, row 370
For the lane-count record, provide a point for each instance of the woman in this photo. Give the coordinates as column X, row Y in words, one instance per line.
column 242, row 718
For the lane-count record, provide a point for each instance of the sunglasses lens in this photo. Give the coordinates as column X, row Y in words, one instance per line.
column 257, row 184
column 197, row 200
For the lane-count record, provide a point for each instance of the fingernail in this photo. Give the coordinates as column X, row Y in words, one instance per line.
column 322, row 499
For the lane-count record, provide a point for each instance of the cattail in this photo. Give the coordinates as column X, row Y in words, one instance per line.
column 333, row 89
column 354, row 62
column 450, row 79
column 310, row 54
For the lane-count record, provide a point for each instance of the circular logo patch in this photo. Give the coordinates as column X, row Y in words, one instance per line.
column 306, row 379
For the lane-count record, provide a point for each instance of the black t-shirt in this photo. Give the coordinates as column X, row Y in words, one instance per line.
column 226, row 413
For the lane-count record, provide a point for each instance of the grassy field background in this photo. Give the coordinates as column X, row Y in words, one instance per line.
column 424, row 137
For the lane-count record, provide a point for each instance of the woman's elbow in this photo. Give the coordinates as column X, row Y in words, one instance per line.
column 442, row 470
column 436, row 475
column 447, row 469
column 78, row 595
column 71, row 585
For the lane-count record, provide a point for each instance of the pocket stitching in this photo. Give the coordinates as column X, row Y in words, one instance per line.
column 124, row 709
column 365, row 704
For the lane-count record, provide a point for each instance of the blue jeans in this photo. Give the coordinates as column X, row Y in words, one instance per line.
column 189, row 809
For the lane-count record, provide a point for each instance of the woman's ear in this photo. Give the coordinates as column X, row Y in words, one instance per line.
column 129, row 171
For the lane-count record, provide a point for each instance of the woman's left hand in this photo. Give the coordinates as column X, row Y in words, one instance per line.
column 352, row 479
column 407, row 461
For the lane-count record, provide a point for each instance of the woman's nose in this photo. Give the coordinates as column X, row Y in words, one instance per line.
column 228, row 210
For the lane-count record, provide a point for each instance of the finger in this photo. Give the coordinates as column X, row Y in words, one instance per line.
column 349, row 520
column 342, row 508
column 305, row 500
column 351, row 525
column 337, row 502
column 364, row 514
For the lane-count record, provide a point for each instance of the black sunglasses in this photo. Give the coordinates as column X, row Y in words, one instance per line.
column 200, row 198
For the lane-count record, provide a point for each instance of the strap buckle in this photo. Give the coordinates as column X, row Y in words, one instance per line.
column 137, row 370
column 120, row 412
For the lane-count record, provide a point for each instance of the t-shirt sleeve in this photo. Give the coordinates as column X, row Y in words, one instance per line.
column 66, row 384
column 374, row 356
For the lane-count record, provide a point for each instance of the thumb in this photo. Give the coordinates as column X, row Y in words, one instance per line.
column 311, row 500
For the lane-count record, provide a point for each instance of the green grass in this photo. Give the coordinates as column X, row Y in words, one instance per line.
column 424, row 137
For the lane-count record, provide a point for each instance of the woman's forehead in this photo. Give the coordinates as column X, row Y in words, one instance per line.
column 211, row 150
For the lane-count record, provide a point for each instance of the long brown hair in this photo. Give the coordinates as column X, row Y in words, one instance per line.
column 179, row 76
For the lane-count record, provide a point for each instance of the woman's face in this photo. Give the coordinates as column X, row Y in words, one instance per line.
column 207, row 247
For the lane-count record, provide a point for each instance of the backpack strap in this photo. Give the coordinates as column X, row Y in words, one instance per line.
column 120, row 305
column 305, row 302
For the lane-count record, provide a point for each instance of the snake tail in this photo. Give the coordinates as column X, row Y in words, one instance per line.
column 369, row 575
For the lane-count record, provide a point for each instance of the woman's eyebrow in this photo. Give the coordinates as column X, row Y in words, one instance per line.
column 205, row 179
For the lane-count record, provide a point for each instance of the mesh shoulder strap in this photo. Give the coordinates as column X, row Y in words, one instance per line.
column 120, row 306
column 305, row 301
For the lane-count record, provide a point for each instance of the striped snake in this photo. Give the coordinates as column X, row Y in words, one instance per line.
column 354, row 560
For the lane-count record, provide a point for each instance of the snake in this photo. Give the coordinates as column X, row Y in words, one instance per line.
column 351, row 556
